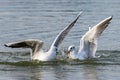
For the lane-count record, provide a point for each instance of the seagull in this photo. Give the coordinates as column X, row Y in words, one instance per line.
column 36, row 45
column 88, row 42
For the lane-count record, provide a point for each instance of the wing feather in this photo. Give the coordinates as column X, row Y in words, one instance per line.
column 63, row 33
column 88, row 42
column 34, row 44
column 97, row 30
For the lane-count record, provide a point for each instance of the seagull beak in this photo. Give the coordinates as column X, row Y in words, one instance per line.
column 68, row 52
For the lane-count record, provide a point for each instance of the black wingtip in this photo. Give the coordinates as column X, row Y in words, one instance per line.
column 111, row 17
column 6, row 45
column 79, row 14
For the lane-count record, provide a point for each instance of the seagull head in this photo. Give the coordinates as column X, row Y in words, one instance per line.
column 71, row 49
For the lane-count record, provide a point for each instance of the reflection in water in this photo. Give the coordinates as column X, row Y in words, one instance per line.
column 49, row 72
column 90, row 72
column 64, row 72
column 85, row 70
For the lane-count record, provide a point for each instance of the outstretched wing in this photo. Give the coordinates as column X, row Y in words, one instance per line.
column 60, row 37
column 96, row 31
column 89, row 40
column 34, row 44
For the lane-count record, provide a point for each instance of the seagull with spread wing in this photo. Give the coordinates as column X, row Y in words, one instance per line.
column 36, row 45
column 88, row 42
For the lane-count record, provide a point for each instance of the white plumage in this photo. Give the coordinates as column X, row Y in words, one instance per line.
column 36, row 45
column 88, row 42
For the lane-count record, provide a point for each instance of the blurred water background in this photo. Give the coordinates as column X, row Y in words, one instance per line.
column 44, row 19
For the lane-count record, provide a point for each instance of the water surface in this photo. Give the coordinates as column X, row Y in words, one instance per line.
column 44, row 19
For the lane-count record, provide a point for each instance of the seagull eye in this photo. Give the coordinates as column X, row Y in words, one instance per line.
column 71, row 48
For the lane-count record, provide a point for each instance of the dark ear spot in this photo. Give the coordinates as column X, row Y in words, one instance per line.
column 72, row 48
column 56, row 49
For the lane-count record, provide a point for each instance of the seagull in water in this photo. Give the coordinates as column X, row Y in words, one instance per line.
column 36, row 45
column 88, row 42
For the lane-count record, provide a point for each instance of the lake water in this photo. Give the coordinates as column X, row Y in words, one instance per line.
column 44, row 19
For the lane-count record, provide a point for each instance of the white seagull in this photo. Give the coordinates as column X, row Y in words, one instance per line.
column 36, row 45
column 88, row 42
